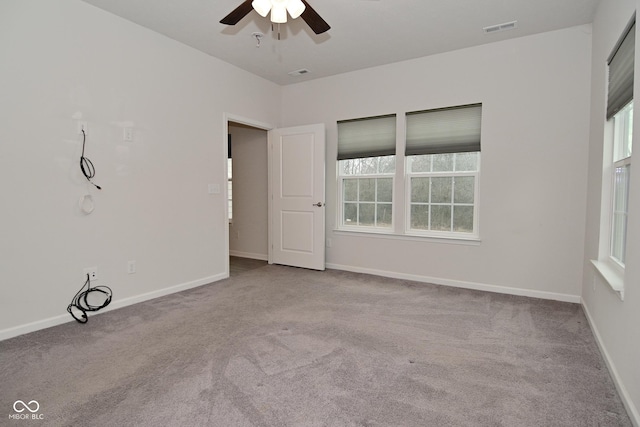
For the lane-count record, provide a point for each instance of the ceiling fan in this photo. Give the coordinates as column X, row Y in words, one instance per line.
column 279, row 9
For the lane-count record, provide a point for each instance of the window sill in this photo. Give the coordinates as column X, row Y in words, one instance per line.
column 383, row 234
column 614, row 279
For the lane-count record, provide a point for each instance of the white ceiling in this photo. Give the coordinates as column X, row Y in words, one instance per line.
column 364, row 33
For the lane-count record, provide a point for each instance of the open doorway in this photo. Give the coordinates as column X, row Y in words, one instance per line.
column 248, row 192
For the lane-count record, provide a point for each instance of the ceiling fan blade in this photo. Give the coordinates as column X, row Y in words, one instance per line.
column 311, row 17
column 238, row 13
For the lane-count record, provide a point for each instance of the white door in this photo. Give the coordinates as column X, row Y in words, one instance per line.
column 297, row 202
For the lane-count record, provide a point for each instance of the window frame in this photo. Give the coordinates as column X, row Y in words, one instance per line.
column 341, row 177
column 475, row 233
column 620, row 128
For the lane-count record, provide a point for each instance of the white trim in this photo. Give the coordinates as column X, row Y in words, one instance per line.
column 378, row 234
column 632, row 411
column 611, row 275
column 64, row 318
column 250, row 255
column 226, row 118
column 462, row 284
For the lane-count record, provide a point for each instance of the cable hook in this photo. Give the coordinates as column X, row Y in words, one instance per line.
column 258, row 36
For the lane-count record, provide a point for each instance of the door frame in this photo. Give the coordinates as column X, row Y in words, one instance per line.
column 226, row 118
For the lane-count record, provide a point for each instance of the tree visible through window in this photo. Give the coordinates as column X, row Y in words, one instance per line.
column 442, row 192
column 367, row 191
column 441, row 159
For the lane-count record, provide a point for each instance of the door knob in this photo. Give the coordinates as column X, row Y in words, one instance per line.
column 319, row 204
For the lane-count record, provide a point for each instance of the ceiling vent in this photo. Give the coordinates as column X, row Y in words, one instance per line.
column 500, row 27
column 299, row 72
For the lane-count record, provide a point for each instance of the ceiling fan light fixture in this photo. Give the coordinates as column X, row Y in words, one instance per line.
column 262, row 6
column 279, row 10
column 278, row 13
column 295, row 8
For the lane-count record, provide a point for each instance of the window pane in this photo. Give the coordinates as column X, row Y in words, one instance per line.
column 367, row 214
column 463, row 189
column 387, row 164
column 441, row 190
column 350, row 190
column 420, row 217
column 619, row 220
column 420, row 163
column 347, row 167
column 466, row 162
column 351, row 214
column 367, row 189
column 618, row 238
column 463, row 219
column 368, row 166
column 443, row 162
column 620, row 188
column 420, row 190
column 441, row 218
column 383, row 215
column 385, row 189
column 626, row 151
column 623, row 133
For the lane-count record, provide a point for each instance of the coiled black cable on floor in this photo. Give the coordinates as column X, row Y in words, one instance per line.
column 80, row 305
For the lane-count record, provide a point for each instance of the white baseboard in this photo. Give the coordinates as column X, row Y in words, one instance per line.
column 240, row 254
column 632, row 411
column 462, row 284
column 115, row 304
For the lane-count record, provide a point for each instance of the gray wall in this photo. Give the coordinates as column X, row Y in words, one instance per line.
column 535, row 92
column 615, row 322
column 63, row 60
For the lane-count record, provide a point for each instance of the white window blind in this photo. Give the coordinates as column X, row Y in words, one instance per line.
column 368, row 137
column 444, row 130
column 621, row 69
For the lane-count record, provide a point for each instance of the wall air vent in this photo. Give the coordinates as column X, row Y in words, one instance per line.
column 299, row 72
column 500, row 27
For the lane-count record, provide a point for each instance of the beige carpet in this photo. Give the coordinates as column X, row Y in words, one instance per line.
column 280, row 346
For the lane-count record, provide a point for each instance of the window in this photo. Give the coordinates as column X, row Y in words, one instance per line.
column 366, row 169
column 441, row 159
column 443, row 164
column 622, row 139
column 442, row 192
column 617, row 162
column 620, row 110
column 367, row 191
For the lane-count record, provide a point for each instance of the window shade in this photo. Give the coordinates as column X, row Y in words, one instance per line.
column 621, row 69
column 445, row 130
column 368, row 137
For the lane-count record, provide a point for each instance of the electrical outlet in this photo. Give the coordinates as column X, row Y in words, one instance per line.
column 92, row 272
column 131, row 267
